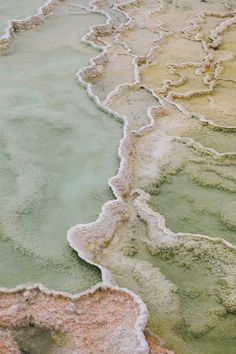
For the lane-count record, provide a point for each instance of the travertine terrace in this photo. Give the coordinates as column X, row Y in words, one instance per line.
column 82, row 319
column 177, row 159
column 166, row 70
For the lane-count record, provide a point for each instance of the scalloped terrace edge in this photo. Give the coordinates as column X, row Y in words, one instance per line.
column 113, row 212
column 17, row 25
column 35, row 305
column 27, row 23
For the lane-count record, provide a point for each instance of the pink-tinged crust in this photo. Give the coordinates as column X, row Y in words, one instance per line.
column 154, row 344
column 104, row 320
column 7, row 344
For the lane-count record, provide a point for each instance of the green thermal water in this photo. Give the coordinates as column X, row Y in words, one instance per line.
column 182, row 287
column 199, row 200
column 108, row 7
column 57, row 152
column 17, row 10
column 30, row 339
column 204, row 326
column 223, row 142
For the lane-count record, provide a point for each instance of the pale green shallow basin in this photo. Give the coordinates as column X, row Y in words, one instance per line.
column 17, row 10
column 57, row 152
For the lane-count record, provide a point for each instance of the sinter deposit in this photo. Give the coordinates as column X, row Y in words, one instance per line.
column 166, row 70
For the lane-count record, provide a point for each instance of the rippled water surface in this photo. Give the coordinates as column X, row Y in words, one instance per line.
column 51, row 137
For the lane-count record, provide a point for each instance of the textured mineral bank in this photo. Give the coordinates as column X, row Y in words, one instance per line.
column 103, row 320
